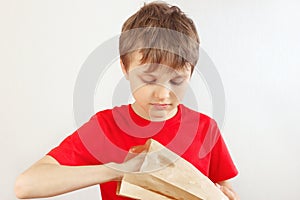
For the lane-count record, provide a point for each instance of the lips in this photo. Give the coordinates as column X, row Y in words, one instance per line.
column 160, row 106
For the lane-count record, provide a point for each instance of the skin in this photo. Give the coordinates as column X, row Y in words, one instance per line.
column 228, row 190
column 47, row 178
column 157, row 96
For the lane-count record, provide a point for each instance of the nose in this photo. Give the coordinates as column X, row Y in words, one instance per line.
column 161, row 92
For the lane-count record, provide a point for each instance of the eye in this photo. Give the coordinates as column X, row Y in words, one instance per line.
column 177, row 81
column 148, row 79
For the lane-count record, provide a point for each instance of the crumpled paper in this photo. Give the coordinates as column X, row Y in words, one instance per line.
column 165, row 175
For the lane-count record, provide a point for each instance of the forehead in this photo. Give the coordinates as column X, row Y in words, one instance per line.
column 155, row 68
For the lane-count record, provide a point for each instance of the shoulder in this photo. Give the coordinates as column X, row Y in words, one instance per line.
column 192, row 115
column 108, row 113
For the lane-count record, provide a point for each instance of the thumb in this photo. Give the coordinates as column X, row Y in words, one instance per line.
column 138, row 149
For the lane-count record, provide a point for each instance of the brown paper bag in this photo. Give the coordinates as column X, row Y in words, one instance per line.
column 130, row 190
column 165, row 175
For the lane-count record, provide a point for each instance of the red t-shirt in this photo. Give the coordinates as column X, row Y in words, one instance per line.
column 109, row 134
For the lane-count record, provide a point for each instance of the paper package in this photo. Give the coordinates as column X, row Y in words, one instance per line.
column 165, row 175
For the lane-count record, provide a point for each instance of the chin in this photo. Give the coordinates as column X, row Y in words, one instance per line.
column 158, row 119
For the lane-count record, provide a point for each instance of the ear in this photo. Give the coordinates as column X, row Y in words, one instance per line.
column 123, row 69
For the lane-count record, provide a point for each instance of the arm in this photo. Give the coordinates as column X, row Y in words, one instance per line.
column 227, row 189
column 48, row 178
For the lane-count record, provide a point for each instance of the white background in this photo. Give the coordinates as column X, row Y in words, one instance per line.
column 254, row 45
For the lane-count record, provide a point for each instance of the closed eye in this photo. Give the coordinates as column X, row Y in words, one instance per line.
column 177, row 81
column 148, row 79
column 149, row 82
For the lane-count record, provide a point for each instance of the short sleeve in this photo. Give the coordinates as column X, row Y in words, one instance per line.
column 72, row 152
column 221, row 164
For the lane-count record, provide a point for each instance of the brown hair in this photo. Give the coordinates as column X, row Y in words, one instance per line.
column 162, row 34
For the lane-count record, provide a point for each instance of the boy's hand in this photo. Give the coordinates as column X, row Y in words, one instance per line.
column 133, row 160
column 227, row 189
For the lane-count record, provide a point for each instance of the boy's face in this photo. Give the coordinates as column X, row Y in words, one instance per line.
column 157, row 92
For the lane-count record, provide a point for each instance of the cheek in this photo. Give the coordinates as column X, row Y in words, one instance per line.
column 136, row 84
column 141, row 93
column 179, row 92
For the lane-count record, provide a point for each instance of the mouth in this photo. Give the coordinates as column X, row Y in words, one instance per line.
column 160, row 106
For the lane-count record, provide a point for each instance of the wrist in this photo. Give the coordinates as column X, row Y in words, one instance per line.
column 113, row 172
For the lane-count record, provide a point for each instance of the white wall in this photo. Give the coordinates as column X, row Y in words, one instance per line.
column 254, row 45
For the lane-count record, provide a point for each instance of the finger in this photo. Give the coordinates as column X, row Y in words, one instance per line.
column 229, row 193
column 134, row 151
column 131, row 165
column 138, row 149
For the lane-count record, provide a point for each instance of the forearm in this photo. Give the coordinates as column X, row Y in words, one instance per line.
column 228, row 190
column 45, row 180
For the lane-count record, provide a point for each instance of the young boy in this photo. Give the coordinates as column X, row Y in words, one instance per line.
column 158, row 50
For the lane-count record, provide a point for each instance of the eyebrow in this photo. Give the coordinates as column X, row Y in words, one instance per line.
column 148, row 74
column 181, row 76
column 154, row 76
column 153, row 73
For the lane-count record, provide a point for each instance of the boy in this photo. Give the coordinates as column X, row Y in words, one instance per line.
column 158, row 51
